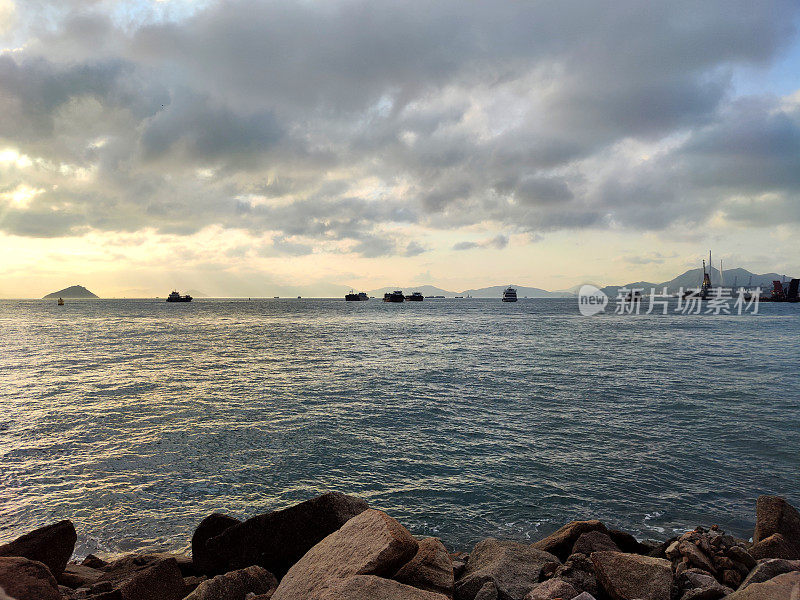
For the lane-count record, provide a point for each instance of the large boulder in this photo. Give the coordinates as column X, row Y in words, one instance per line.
column 279, row 539
column 627, row 543
column 782, row 587
column 370, row 587
column 431, row 569
column 775, row 515
column 4, row 596
column 513, row 569
column 560, row 542
column 578, row 571
column 52, row 545
column 594, row 541
column 25, row 579
column 773, row 546
column 767, row 569
column 235, row 585
column 552, row 589
column 212, row 526
column 143, row 578
column 632, row 576
column 487, row 592
column 695, row 584
column 76, row 576
column 371, row 543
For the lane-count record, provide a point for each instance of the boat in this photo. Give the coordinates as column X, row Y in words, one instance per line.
column 784, row 292
column 510, row 295
column 176, row 297
column 415, row 297
column 61, row 302
column 353, row 297
column 395, row 296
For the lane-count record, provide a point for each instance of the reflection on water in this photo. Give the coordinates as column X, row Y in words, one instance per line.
column 464, row 419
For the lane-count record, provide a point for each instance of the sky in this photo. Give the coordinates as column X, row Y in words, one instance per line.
column 259, row 148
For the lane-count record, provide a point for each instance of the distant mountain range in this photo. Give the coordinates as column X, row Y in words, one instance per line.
column 694, row 277
column 73, row 291
column 690, row 279
column 495, row 291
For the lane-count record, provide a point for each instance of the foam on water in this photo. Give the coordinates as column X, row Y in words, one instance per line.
column 462, row 418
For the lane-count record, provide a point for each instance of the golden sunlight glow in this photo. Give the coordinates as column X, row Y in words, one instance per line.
column 22, row 195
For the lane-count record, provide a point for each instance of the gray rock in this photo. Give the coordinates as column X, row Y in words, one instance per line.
column 52, row 545
column 235, row 585
column 767, row 569
column 141, row 577
column 775, row 515
column 627, row 543
column 774, row 546
column 279, row 539
column 212, row 526
column 160, row 581
column 632, row 576
column 559, row 543
column 76, row 576
column 431, row 569
column 697, row 585
column 513, row 568
column 594, row 541
column 94, row 562
column 782, row 587
column 487, row 592
column 370, row 587
column 372, row 543
column 552, row 589
column 584, row 596
column 25, row 579
column 578, row 571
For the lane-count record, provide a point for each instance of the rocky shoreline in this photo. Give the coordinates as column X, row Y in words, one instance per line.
column 334, row 547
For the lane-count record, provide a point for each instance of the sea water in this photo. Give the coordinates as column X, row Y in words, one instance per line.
column 462, row 418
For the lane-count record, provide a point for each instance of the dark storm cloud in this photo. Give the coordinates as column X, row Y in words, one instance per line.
column 327, row 121
column 201, row 134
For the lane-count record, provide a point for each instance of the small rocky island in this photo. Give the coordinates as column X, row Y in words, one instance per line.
column 334, row 547
column 73, row 291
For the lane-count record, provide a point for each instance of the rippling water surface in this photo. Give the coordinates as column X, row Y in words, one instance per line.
column 462, row 418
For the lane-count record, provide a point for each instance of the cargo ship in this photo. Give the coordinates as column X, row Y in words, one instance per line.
column 353, row 297
column 395, row 296
column 176, row 297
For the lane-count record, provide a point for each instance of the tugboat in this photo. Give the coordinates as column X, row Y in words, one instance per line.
column 510, row 295
column 176, row 297
column 395, row 296
column 415, row 297
column 61, row 302
column 353, row 297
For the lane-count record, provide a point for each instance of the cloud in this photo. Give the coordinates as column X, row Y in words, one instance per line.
column 325, row 125
column 497, row 242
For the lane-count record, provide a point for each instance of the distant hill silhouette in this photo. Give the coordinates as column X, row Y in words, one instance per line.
column 73, row 291
column 694, row 277
column 495, row 291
